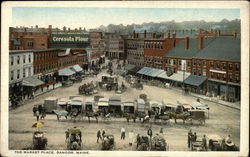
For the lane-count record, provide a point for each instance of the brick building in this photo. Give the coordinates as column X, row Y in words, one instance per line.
column 214, row 57
column 25, row 38
column 97, row 45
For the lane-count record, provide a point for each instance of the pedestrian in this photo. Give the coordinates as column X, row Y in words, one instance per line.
column 40, row 109
column 34, row 110
column 103, row 133
column 150, row 133
column 43, row 112
column 37, row 115
column 204, row 142
column 195, row 137
column 161, row 131
column 189, row 137
column 47, row 87
column 123, row 133
column 138, row 140
column 98, row 135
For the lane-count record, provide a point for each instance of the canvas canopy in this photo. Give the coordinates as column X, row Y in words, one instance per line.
column 65, row 72
column 32, row 81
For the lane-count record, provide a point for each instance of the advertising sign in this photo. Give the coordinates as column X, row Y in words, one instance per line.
column 70, row 40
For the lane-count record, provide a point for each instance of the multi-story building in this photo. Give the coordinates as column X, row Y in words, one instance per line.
column 20, row 65
column 28, row 39
column 214, row 57
column 115, row 45
column 97, row 47
column 135, row 50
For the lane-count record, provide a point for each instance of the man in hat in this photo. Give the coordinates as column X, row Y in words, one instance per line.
column 190, row 134
column 98, row 135
column 204, row 142
column 103, row 133
column 150, row 133
column 123, row 133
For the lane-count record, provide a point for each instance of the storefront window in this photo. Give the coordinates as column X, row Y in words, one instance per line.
column 230, row 66
column 211, row 64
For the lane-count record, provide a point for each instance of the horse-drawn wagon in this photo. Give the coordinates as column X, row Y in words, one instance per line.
column 73, row 139
column 108, row 82
column 198, row 115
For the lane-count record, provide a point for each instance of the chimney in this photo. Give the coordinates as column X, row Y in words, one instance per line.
column 174, row 42
column 137, row 35
column 235, row 35
column 218, row 32
column 145, row 34
column 64, row 29
column 168, row 35
column 162, row 35
column 200, row 42
column 36, row 26
column 173, row 35
column 212, row 31
column 134, row 34
column 153, row 35
column 186, row 44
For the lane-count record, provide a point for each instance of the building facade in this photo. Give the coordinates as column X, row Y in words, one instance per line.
column 97, row 45
column 115, row 45
column 135, row 52
column 20, row 65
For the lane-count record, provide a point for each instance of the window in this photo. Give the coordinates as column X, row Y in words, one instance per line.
column 230, row 77
column 218, row 76
column 29, row 58
column 29, row 72
column 212, row 75
column 24, row 73
column 18, row 74
column 18, row 59
column 223, row 65
column 12, row 75
column 198, row 62
column 174, row 61
column 217, row 64
column 211, row 64
column 24, row 57
column 194, row 62
column 224, row 77
column 237, row 77
column 12, row 60
column 230, row 66
column 237, row 67
column 179, row 62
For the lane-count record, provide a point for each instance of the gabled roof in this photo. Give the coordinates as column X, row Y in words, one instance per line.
column 180, row 51
column 224, row 47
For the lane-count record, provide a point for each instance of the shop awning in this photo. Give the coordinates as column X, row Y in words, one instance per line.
column 163, row 75
column 65, row 72
column 155, row 72
column 178, row 77
column 32, row 81
column 144, row 70
column 76, row 68
column 195, row 80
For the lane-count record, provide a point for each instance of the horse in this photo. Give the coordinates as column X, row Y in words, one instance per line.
column 92, row 114
column 184, row 116
column 129, row 116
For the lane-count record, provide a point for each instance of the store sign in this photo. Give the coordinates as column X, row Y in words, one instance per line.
column 70, row 40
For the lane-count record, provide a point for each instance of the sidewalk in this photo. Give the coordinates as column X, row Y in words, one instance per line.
column 39, row 92
column 235, row 105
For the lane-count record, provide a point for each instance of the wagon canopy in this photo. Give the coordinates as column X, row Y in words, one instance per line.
column 154, row 103
column 197, row 105
column 115, row 100
column 76, row 68
column 62, row 101
column 103, row 102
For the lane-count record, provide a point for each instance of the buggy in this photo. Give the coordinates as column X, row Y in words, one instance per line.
column 39, row 141
column 108, row 142
column 198, row 115
column 74, row 139
column 143, row 143
column 159, row 144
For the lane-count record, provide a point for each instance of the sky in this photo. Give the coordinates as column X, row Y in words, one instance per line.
column 94, row 17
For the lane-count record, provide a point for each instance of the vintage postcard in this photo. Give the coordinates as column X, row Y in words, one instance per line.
column 125, row 78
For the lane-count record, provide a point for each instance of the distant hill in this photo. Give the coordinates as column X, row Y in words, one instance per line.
column 225, row 25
